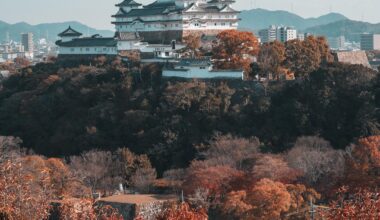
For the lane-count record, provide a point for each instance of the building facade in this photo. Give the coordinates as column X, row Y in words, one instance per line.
column 27, row 42
column 166, row 20
column 281, row 33
column 370, row 41
column 72, row 43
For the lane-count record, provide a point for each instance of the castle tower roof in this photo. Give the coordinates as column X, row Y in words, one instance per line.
column 69, row 32
column 128, row 3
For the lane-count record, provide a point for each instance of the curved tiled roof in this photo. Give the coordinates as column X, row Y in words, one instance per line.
column 69, row 32
column 128, row 3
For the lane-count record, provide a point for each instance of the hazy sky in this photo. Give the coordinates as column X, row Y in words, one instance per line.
column 96, row 13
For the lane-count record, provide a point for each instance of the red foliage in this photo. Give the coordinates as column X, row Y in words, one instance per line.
column 182, row 212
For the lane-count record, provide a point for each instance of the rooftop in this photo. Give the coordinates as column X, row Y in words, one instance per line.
column 69, row 32
column 89, row 42
column 138, row 198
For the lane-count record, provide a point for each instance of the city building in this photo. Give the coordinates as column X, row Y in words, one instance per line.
column 337, row 43
column 200, row 69
column 281, row 33
column 27, row 42
column 166, row 20
column 370, row 41
column 269, row 34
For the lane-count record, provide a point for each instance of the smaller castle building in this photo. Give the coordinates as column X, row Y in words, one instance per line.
column 72, row 43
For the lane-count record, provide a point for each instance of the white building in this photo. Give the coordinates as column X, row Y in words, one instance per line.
column 165, row 20
column 72, row 44
column 281, row 33
column 200, row 69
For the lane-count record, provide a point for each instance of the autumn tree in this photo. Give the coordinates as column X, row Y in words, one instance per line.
column 143, row 179
column 364, row 204
column 233, row 49
column 318, row 161
column 182, row 211
column 265, row 200
column 271, row 57
column 93, row 168
column 229, row 150
column 193, row 43
column 363, row 163
column 214, row 179
column 275, row 168
column 22, row 195
column 303, row 57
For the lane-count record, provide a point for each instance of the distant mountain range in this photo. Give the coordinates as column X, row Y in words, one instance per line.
column 348, row 28
column 329, row 25
column 48, row 30
column 257, row 19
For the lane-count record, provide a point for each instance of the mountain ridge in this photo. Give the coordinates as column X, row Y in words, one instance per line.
column 256, row 19
column 46, row 30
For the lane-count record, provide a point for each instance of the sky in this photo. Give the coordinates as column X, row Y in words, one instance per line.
column 97, row 13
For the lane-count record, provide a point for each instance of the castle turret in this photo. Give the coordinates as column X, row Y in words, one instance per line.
column 69, row 34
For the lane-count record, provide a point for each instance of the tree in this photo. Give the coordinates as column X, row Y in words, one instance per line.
column 193, row 43
column 363, row 163
column 275, row 168
column 229, row 150
column 93, row 167
column 233, row 48
column 361, row 205
column 265, row 200
column 23, row 196
column 182, row 211
column 318, row 161
column 143, row 178
column 271, row 58
column 214, row 179
column 303, row 57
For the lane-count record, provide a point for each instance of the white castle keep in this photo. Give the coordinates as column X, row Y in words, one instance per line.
column 167, row 20
column 154, row 27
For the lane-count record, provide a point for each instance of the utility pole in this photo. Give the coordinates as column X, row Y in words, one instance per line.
column 312, row 210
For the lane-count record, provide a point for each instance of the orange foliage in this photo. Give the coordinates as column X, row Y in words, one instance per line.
column 275, row 168
column 361, row 205
column 182, row 212
column 22, row 196
column 363, row 165
column 266, row 200
column 214, row 179
column 233, row 49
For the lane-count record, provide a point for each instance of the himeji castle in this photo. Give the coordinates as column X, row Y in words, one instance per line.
column 167, row 20
column 157, row 28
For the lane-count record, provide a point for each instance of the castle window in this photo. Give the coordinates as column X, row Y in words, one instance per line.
column 72, row 49
column 216, row 24
column 223, row 24
column 87, row 49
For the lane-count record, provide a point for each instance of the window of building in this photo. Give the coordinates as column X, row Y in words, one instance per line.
column 202, row 68
column 87, row 49
column 72, row 49
column 223, row 24
column 216, row 24
column 166, row 54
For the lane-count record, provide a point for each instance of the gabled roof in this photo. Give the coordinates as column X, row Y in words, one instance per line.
column 128, row 3
column 69, row 32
